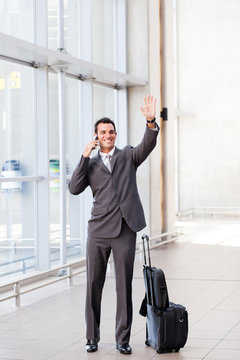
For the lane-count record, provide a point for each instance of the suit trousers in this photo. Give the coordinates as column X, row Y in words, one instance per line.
column 98, row 252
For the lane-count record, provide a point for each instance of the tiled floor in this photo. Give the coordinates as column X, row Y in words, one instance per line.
column 202, row 274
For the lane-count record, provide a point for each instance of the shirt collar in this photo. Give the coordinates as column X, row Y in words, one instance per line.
column 103, row 155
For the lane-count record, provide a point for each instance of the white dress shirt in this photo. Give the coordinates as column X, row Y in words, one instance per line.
column 106, row 157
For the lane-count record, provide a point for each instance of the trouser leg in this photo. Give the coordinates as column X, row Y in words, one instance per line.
column 98, row 252
column 123, row 249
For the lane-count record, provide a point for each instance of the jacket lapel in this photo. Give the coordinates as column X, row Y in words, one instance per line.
column 98, row 160
column 114, row 157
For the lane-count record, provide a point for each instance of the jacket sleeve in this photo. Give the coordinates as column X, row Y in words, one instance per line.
column 148, row 143
column 79, row 179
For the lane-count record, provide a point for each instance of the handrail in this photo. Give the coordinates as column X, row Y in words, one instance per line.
column 39, row 276
column 69, row 267
column 22, row 260
column 209, row 209
column 20, row 178
column 30, row 178
column 17, row 261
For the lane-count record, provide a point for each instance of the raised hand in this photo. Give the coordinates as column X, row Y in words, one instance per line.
column 149, row 107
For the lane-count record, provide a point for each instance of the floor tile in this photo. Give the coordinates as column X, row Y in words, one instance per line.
column 202, row 274
column 221, row 354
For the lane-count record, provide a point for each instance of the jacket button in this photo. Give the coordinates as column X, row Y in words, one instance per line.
column 116, row 190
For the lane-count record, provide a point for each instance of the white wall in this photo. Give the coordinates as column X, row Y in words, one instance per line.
column 209, row 83
column 144, row 61
column 137, row 35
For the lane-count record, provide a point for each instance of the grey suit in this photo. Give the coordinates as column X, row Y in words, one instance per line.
column 117, row 214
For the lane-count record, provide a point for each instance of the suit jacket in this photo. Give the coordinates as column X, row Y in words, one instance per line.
column 115, row 194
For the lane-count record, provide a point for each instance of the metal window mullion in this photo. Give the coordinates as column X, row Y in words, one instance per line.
column 121, row 116
column 62, row 136
column 41, row 136
column 87, row 133
column 120, row 36
column 60, row 25
column 85, row 113
column 121, row 65
column 85, row 50
column 62, row 156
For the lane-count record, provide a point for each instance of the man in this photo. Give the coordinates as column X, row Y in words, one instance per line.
column 117, row 215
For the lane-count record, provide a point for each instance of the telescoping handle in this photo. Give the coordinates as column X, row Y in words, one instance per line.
column 150, row 292
column 145, row 237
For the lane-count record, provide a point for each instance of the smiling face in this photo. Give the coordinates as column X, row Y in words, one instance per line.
column 106, row 137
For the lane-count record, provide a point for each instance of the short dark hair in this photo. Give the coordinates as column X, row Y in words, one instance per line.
column 104, row 120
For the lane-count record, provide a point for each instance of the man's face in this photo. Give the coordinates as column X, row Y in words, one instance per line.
column 106, row 137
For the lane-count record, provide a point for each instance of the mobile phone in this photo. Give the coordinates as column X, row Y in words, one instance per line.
column 95, row 138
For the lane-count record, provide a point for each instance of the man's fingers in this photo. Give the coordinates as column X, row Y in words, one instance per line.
column 149, row 104
column 94, row 144
column 149, row 99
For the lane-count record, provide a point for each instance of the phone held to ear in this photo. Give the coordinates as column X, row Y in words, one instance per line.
column 95, row 138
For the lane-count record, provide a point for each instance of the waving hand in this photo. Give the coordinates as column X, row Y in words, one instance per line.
column 149, row 107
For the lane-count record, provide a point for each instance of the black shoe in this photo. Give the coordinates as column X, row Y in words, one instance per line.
column 91, row 346
column 124, row 348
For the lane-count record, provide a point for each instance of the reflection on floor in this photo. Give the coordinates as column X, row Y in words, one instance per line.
column 203, row 273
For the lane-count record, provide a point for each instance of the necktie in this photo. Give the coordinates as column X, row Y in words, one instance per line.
column 107, row 162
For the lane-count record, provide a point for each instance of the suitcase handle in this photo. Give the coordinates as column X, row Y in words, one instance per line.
column 145, row 237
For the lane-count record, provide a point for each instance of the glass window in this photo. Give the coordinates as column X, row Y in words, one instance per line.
column 52, row 24
column 54, row 219
column 103, row 32
column 138, row 39
column 53, row 117
column 17, row 158
column 16, row 18
column 103, row 102
column 17, row 235
column 54, row 169
column 71, row 23
column 74, row 151
column 71, row 33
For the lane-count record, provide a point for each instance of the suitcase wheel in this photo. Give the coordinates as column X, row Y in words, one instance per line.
column 147, row 343
column 177, row 350
column 159, row 351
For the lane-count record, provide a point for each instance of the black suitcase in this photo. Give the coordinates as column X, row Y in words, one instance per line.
column 156, row 294
column 167, row 323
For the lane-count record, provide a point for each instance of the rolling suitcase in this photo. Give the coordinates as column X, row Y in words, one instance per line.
column 167, row 323
column 158, row 292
